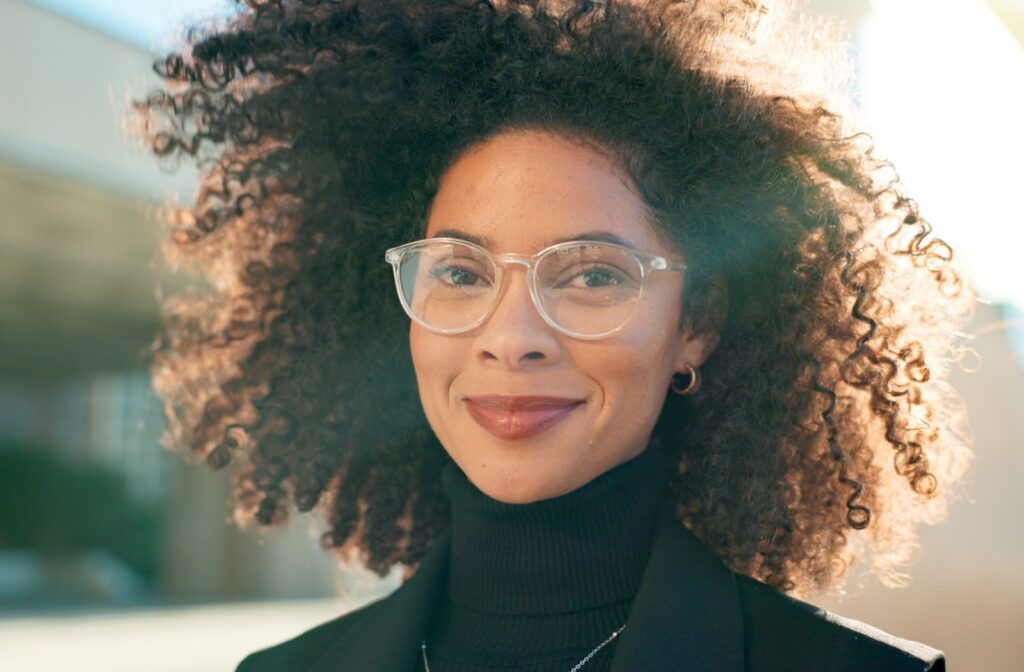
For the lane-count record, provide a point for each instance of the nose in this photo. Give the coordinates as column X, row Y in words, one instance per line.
column 515, row 333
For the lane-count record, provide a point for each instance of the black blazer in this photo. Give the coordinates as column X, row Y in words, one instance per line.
column 690, row 613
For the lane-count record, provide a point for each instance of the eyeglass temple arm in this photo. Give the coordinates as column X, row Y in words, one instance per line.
column 660, row 263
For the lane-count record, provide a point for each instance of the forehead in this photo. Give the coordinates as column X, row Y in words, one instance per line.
column 526, row 190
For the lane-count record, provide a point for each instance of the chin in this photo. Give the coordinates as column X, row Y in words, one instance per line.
column 527, row 496
column 525, row 490
column 520, row 472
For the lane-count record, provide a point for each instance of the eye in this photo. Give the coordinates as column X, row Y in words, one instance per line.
column 591, row 278
column 455, row 275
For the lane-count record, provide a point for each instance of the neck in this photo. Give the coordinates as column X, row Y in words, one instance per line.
column 579, row 550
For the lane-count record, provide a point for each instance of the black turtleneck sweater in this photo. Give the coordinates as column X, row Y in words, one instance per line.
column 536, row 587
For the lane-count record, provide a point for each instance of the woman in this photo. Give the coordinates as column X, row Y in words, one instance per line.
column 668, row 344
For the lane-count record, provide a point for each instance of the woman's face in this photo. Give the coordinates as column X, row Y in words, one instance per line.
column 518, row 193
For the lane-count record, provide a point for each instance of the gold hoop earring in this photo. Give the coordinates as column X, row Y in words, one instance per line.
column 692, row 386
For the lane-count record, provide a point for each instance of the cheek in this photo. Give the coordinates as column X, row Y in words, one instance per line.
column 434, row 360
column 635, row 372
column 634, row 382
column 424, row 363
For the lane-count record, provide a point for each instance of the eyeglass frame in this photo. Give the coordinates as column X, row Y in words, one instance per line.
column 648, row 262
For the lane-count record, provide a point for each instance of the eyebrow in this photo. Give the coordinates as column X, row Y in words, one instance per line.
column 590, row 236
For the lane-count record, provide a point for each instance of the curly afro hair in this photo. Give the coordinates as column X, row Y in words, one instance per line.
column 823, row 429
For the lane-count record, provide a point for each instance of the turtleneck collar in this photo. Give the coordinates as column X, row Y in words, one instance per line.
column 583, row 549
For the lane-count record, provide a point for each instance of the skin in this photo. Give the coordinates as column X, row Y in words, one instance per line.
column 519, row 191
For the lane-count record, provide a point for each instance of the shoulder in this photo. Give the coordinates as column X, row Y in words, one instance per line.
column 785, row 633
column 301, row 651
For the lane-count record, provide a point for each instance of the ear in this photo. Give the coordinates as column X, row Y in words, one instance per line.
column 701, row 332
column 692, row 349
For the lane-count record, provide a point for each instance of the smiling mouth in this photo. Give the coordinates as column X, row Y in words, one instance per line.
column 515, row 418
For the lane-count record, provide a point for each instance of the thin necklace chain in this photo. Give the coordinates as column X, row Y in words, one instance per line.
column 426, row 665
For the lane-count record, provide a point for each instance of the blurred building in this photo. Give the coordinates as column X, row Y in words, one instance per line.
column 78, row 308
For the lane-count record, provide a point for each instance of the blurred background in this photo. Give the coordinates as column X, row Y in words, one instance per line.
column 113, row 550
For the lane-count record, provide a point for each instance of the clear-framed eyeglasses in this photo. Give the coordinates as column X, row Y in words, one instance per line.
column 584, row 289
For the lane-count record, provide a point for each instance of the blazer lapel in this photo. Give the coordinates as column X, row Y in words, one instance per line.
column 388, row 637
column 685, row 616
column 687, row 613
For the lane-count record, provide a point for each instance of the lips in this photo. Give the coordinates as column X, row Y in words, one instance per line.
column 513, row 418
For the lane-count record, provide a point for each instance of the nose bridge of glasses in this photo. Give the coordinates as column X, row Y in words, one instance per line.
column 506, row 258
column 513, row 258
column 524, row 260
